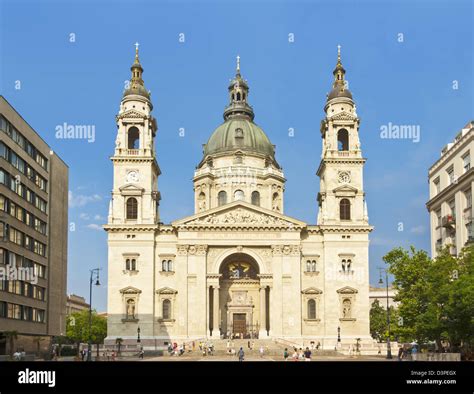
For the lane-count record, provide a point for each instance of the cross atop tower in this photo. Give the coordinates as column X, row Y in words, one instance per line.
column 238, row 64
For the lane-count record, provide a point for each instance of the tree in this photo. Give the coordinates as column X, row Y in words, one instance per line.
column 436, row 296
column 77, row 329
column 379, row 324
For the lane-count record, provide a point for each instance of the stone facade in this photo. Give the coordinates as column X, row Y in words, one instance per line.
column 451, row 182
column 239, row 266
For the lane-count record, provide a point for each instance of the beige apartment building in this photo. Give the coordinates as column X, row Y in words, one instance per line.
column 33, row 236
column 451, row 182
column 75, row 303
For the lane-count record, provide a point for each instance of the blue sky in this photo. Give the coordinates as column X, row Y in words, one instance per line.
column 403, row 80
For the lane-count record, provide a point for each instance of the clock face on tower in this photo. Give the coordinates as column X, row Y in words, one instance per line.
column 132, row 176
column 344, row 177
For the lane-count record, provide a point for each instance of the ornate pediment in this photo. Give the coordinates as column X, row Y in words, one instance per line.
column 240, row 214
column 311, row 290
column 344, row 189
column 130, row 290
column 347, row 290
column 343, row 116
column 131, row 114
column 166, row 290
column 131, row 190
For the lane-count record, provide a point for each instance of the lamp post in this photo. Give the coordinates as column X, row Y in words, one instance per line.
column 389, row 348
column 138, row 335
column 94, row 276
column 338, row 334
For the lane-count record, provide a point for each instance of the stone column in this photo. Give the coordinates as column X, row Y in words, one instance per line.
column 208, row 312
column 263, row 314
column 215, row 316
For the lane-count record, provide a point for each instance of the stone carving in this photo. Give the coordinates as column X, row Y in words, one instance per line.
column 182, row 250
column 346, row 309
column 240, row 216
column 279, row 250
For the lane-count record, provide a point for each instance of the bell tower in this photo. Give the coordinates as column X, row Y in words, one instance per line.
column 135, row 196
column 341, row 198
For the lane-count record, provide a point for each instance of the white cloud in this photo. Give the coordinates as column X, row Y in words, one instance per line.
column 418, row 229
column 84, row 216
column 80, row 200
column 98, row 217
column 94, row 226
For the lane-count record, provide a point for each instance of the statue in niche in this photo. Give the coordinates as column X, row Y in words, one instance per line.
column 346, row 309
column 130, row 309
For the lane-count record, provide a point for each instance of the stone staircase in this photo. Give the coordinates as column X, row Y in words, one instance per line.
column 271, row 348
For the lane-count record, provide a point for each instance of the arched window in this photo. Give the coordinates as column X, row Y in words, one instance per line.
column 239, row 195
column 132, row 208
column 345, row 209
column 133, row 265
column 127, row 264
column 164, row 265
column 222, row 198
column 166, row 309
column 233, row 96
column 238, row 96
column 311, row 309
column 308, row 265
column 342, row 140
column 170, row 265
column 256, row 198
column 313, row 266
column 133, row 138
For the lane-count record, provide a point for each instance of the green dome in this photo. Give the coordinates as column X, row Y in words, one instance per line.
column 239, row 133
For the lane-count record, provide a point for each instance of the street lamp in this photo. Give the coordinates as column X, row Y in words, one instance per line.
column 338, row 334
column 389, row 348
column 138, row 337
column 94, row 276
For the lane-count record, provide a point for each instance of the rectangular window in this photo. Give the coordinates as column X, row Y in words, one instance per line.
column 3, row 309
column 437, row 185
column 468, row 195
column 450, row 172
column 466, row 162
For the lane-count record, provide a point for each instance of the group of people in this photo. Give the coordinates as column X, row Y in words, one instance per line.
column 207, row 348
column 403, row 352
column 175, row 350
column 298, row 354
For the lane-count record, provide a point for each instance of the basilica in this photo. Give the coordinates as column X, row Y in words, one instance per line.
column 239, row 266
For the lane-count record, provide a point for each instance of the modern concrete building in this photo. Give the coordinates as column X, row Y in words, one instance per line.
column 239, row 266
column 451, row 182
column 75, row 303
column 33, row 235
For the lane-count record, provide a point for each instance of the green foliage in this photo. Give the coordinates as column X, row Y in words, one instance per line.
column 436, row 296
column 379, row 323
column 77, row 329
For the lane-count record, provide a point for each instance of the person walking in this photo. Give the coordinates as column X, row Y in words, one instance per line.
column 261, row 351
column 241, row 354
column 400, row 353
column 307, row 354
column 285, row 354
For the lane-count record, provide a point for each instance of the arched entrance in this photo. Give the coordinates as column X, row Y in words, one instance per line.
column 239, row 297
